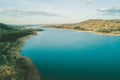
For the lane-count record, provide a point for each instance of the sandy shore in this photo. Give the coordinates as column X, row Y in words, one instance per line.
column 99, row 33
column 93, row 32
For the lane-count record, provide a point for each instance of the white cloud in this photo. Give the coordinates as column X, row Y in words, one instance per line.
column 22, row 12
column 27, row 4
column 84, row 1
column 89, row 1
column 103, row 9
column 114, row 11
column 0, row 9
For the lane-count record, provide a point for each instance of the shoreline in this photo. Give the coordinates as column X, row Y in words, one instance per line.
column 93, row 32
column 32, row 72
column 14, row 66
column 19, row 67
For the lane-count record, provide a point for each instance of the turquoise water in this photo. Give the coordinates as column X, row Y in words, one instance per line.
column 71, row 55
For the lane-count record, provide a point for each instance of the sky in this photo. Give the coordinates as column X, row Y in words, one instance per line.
column 57, row 11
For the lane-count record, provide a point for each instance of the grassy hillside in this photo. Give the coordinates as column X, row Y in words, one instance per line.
column 12, row 65
column 103, row 26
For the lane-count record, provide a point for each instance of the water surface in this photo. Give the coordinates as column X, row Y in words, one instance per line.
column 71, row 55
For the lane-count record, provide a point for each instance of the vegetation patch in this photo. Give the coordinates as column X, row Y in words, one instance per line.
column 12, row 65
column 109, row 30
column 79, row 28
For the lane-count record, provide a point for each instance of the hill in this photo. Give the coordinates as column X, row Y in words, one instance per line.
column 101, row 26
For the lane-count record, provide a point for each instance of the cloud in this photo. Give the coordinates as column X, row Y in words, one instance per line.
column 22, row 13
column 114, row 11
column 0, row 9
column 89, row 1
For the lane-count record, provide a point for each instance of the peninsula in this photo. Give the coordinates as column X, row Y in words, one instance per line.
column 12, row 65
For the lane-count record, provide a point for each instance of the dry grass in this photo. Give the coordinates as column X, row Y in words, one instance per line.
column 101, row 26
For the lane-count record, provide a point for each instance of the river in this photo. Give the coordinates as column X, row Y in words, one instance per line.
column 72, row 55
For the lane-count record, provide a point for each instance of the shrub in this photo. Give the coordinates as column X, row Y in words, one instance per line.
column 108, row 30
column 104, row 30
column 79, row 28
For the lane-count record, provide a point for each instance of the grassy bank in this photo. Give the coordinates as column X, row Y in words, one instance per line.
column 12, row 65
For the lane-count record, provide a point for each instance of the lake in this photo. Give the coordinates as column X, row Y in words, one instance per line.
column 72, row 55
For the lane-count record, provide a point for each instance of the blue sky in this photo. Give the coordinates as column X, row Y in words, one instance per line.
column 57, row 11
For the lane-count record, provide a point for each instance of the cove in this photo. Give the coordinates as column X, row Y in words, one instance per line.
column 72, row 55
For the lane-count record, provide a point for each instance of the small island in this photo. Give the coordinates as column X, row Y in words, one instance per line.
column 99, row 26
column 12, row 65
